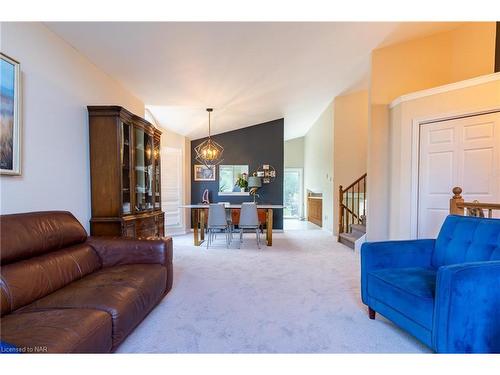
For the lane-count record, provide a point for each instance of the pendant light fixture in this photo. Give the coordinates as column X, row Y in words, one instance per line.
column 209, row 152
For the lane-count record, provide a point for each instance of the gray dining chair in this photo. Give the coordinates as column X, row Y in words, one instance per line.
column 229, row 219
column 249, row 219
column 217, row 222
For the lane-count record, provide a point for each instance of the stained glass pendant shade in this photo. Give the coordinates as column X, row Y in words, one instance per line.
column 209, row 152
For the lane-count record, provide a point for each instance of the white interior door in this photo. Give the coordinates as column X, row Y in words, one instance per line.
column 463, row 152
column 171, row 185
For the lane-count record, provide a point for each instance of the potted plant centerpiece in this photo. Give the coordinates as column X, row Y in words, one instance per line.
column 242, row 182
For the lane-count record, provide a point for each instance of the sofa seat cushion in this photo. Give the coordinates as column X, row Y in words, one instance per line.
column 58, row 331
column 127, row 293
column 407, row 290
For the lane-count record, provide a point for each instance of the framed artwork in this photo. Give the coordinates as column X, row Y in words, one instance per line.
column 204, row 173
column 10, row 122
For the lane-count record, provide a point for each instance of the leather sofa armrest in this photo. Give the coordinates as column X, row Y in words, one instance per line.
column 115, row 251
column 467, row 307
column 393, row 254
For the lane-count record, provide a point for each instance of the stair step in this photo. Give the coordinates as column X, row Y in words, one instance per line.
column 358, row 230
column 359, row 227
column 347, row 239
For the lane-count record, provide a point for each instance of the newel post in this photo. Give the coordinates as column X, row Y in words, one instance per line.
column 341, row 210
column 456, row 203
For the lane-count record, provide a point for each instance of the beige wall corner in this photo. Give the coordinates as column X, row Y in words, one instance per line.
column 462, row 53
column 350, row 143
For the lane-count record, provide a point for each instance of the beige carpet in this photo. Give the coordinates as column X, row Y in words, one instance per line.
column 299, row 296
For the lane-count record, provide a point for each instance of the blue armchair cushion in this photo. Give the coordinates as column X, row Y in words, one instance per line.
column 410, row 290
column 470, row 239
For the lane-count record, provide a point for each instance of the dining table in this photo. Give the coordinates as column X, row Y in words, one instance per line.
column 200, row 216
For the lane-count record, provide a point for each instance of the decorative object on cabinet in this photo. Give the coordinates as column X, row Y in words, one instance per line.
column 209, row 152
column 205, row 198
column 125, row 174
column 204, row 172
column 10, row 123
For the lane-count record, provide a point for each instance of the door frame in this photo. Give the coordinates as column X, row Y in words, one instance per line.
column 415, row 155
column 301, row 191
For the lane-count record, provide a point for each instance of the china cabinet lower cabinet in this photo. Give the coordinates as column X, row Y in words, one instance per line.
column 125, row 174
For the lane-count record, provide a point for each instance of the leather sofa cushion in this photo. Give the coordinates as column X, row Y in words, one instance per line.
column 26, row 281
column 127, row 293
column 36, row 233
column 407, row 290
column 467, row 239
column 58, row 331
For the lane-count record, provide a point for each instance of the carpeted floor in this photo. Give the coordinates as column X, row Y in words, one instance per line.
column 299, row 296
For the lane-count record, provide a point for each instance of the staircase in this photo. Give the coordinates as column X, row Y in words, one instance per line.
column 352, row 212
column 349, row 239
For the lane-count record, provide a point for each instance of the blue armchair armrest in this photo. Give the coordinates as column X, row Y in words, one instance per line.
column 393, row 254
column 467, row 308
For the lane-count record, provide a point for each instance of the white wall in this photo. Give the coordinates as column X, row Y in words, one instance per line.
column 294, row 153
column 318, row 163
column 57, row 85
column 436, row 104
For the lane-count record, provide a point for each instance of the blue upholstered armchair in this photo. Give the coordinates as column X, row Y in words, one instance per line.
column 445, row 292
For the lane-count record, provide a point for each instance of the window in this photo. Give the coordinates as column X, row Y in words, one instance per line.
column 228, row 175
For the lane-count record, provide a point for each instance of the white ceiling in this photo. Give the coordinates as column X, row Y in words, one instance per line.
column 249, row 72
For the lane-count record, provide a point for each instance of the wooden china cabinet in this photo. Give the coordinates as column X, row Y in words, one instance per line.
column 125, row 174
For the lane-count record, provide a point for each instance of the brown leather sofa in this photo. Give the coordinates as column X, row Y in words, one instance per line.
column 64, row 292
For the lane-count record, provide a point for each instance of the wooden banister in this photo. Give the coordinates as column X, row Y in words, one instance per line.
column 459, row 207
column 352, row 204
column 363, row 177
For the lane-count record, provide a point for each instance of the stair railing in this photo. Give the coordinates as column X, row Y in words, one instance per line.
column 352, row 204
column 458, row 206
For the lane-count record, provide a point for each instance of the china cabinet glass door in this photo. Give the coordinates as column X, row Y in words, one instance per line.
column 143, row 170
column 157, row 174
column 125, row 163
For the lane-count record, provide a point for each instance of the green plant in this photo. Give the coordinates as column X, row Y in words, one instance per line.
column 242, row 183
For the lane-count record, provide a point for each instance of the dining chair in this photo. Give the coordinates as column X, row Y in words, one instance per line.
column 249, row 219
column 217, row 221
column 229, row 219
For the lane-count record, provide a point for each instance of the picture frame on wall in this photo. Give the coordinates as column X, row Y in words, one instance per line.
column 10, row 122
column 204, row 173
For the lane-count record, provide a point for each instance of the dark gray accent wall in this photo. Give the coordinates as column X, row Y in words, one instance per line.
column 252, row 146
